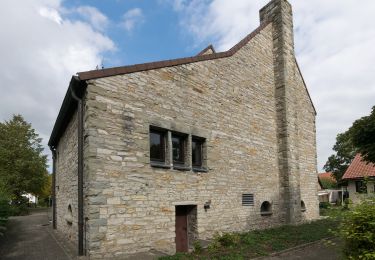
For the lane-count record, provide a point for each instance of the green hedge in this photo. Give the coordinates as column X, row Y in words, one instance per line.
column 358, row 231
column 5, row 212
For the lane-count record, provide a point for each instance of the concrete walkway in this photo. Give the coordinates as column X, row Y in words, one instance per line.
column 30, row 237
column 314, row 251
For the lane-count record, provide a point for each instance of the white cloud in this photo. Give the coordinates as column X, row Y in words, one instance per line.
column 98, row 20
column 334, row 46
column 51, row 14
column 132, row 18
column 40, row 50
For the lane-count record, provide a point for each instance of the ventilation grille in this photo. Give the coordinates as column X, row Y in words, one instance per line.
column 248, row 199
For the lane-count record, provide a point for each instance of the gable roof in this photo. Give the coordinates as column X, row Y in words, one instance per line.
column 359, row 169
column 79, row 82
column 208, row 50
column 94, row 74
column 326, row 176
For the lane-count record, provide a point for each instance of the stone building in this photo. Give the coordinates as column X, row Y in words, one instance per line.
column 158, row 155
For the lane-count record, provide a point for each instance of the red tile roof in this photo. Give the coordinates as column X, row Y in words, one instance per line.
column 327, row 176
column 359, row 169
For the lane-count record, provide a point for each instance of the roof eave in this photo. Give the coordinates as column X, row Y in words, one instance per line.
column 94, row 74
column 68, row 107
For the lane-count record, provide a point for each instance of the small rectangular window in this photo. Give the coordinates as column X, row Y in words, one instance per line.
column 248, row 199
column 360, row 187
column 157, row 145
column 197, row 152
column 178, row 148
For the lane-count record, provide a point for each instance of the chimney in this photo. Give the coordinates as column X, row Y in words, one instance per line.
column 279, row 13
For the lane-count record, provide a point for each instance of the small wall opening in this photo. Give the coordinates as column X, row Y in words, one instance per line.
column 69, row 216
column 266, row 208
column 303, row 206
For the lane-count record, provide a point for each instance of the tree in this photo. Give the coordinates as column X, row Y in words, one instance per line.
column 45, row 195
column 345, row 152
column 22, row 164
column 359, row 138
column 363, row 136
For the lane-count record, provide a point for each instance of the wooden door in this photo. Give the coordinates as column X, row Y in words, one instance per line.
column 181, row 229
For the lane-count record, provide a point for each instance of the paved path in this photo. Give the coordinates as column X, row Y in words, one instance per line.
column 314, row 251
column 31, row 238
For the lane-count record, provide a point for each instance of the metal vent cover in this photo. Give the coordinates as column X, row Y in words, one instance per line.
column 247, row 199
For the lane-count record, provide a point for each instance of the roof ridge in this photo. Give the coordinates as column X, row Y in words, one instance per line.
column 209, row 47
column 93, row 74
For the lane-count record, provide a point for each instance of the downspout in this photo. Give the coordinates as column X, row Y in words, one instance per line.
column 53, row 188
column 80, row 172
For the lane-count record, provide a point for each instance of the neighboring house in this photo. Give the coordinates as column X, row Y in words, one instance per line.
column 328, row 192
column 361, row 179
column 31, row 198
column 326, row 180
column 159, row 155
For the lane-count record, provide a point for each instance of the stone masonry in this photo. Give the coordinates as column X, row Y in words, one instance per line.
column 258, row 121
column 66, row 182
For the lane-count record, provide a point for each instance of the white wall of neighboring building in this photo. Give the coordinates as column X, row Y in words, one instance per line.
column 356, row 197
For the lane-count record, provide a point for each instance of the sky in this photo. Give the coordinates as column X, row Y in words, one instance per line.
column 44, row 42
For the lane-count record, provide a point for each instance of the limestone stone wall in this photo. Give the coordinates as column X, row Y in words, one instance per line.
column 66, row 182
column 231, row 103
column 259, row 124
column 295, row 120
column 307, row 160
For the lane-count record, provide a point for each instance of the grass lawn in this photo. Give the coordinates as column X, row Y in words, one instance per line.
column 263, row 242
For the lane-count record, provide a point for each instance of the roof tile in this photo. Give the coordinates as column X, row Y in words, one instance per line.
column 359, row 169
column 326, row 176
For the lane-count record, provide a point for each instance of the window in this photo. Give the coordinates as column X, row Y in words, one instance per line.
column 157, row 145
column 360, row 187
column 303, row 206
column 178, row 148
column 197, row 152
column 248, row 199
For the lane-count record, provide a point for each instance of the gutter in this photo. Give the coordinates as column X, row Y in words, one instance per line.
column 80, row 168
column 53, row 188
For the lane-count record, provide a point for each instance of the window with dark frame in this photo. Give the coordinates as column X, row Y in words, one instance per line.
column 197, row 152
column 157, row 145
column 178, row 148
column 169, row 149
column 360, row 187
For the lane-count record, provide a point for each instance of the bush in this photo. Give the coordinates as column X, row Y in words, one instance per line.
column 197, row 247
column 324, row 205
column 5, row 212
column 5, row 209
column 20, row 207
column 228, row 239
column 358, row 231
